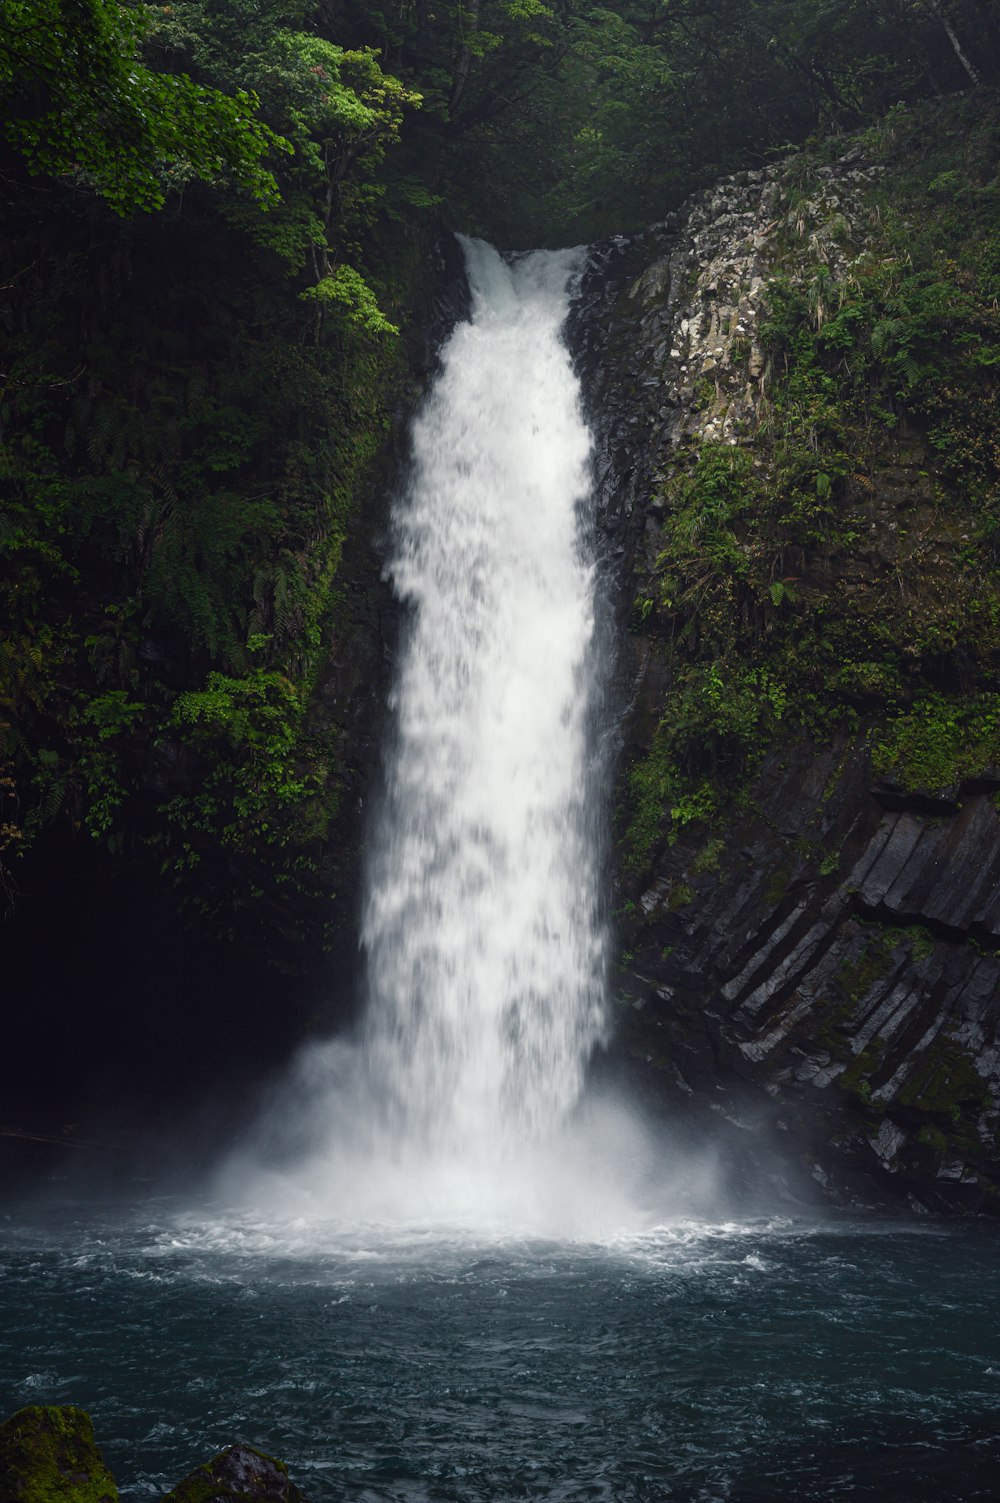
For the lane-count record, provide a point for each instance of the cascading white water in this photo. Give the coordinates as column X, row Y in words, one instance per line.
column 485, row 948
column 458, row 1104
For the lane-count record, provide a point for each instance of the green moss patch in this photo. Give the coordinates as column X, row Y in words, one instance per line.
column 48, row 1455
column 946, row 1084
column 939, row 741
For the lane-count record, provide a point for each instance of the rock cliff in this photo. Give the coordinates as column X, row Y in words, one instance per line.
column 808, row 842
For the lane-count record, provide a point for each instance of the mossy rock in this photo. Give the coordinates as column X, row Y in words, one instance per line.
column 946, row 1085
column 237, row 1475
column 48, row 1455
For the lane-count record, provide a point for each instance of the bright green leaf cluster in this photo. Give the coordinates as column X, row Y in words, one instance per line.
column 347, row 290
column 80, row 103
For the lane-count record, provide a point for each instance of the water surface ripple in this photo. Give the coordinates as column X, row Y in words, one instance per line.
column 764, row 1360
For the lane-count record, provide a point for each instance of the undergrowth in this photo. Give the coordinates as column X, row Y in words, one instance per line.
column 837, row 569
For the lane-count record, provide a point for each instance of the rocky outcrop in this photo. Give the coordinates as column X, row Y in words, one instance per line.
column 813, row 965
column 48, row 1455
column 239, row 1474
column 816, row 960
column 667, row 327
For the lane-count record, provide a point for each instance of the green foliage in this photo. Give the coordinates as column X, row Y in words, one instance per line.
column 726, row 85
column 665, row 796
column 708, row 858
column 536, row 119
column 265, row 790
column 191, row 405
column 946, row 1084
column 256, row 720
column 939, row 741
column 346, row 290
column 79, row 101
column 335, row 108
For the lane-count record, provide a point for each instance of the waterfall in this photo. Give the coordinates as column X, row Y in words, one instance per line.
column 459, row 1103
column 484, row 944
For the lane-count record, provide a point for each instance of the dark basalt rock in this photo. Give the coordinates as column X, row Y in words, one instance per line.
column 844, row 1013
column 239, row 1474
column 48, row 1455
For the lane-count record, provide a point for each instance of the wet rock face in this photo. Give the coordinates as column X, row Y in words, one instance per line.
column 666, row 327
column 820, row 972
column 816, row 961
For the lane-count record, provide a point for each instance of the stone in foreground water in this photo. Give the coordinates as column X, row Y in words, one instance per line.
column 238, row 1473
column 48, row 1455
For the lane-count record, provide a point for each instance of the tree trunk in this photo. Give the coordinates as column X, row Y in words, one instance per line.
column 464, row 59
column 942, row 16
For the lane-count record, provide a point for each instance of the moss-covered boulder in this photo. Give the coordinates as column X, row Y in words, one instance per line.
column 238, row 1473
column 48, row 1455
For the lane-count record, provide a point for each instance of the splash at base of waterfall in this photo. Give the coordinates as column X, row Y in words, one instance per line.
column 324, row 1158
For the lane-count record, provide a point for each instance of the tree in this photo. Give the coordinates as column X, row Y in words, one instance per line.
column 80, row 104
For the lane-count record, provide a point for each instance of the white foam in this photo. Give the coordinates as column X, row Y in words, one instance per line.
column 485, row 951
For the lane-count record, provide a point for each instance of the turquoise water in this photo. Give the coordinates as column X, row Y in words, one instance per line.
column 743, row 1361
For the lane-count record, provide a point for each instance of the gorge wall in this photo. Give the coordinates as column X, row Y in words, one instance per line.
column 794, row 392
